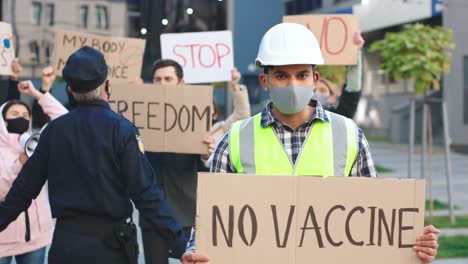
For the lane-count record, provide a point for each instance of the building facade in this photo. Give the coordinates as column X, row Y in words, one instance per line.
column 35, row 22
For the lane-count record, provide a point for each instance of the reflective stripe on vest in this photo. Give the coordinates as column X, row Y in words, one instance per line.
column 330, row 149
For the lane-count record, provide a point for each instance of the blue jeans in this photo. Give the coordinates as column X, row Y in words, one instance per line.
column 34, row 257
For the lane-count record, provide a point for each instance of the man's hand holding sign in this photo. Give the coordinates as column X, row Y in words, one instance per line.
column 284, row 219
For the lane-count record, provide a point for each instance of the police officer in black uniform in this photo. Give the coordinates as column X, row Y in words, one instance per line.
column 95, row 164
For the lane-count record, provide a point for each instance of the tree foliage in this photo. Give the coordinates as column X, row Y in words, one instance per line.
column 335, row 74
column 418, row 52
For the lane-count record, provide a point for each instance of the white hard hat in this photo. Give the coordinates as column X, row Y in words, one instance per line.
column 288, row 43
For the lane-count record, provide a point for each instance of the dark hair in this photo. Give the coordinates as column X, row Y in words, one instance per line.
column 163, row 63
column 266, row 68
column 11, row 103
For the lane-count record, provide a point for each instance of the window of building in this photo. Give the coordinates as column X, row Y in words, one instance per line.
column 34, row 50
column 102, row 17
column 50, row 13
column 301, row 6
column 465, row 89
column 340, row 1
column 48, row 54
column 84, row 16
column 36, row 12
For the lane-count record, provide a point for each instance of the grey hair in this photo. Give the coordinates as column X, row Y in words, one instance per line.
column 89, row 96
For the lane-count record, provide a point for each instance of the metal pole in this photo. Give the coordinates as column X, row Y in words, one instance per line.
column 424, row 139
column 411, row 137
column 230, row 5
column 448, row 165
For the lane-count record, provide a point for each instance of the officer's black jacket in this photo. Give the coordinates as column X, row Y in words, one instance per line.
column 94, row 166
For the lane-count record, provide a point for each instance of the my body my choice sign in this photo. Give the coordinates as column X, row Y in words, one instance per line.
column 124, row 56
column 170, row 118
column 285, row 219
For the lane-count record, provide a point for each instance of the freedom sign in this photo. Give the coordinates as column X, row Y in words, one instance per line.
column 305, row 219
column 335, row 34
column 204, row 56
column 170, row 118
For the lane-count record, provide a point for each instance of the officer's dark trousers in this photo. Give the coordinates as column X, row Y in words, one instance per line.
column 74, row 247
column 155, row 247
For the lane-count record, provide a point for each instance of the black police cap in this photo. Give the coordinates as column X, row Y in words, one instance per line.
column 85, row 70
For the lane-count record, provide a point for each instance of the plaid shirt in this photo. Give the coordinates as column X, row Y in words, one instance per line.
column 292, row 140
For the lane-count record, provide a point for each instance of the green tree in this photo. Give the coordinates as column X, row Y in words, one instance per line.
column 335, row 74
column 418, row 52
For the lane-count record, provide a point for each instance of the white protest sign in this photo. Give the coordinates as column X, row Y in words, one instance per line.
column 204, row 56
column 7, row 53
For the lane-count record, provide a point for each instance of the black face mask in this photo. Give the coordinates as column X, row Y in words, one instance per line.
column 17, row 125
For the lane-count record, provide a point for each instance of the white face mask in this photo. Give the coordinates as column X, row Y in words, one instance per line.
column 290, row 99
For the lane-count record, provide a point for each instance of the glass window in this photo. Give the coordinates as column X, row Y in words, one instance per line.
column 84, row 16
column 48, row 55
column 465, row 89
column 102, row 17
column 34, row 50
column 36, row 12
column 50, row 14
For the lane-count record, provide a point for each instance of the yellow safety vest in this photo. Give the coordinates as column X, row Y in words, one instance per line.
column 329, row 150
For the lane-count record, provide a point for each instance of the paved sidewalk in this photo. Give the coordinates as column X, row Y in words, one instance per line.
column 395, row 157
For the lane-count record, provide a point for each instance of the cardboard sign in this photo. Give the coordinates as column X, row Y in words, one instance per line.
column 7, row 52
column 286, row 219
column 124, row 56
column 205, row 57
column 170, row 118
column 335, row 34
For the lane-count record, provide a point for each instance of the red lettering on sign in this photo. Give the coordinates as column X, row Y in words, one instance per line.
column 324, row 39
column 202, row 55
column 228, row 51
column 179, row 55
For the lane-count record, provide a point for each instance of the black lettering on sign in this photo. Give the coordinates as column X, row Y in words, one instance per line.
column 106, row 46
column 315, row 227
column 206, row 112
column 166, row 118
column 216, row 218
column 150, row 115
column 121, row 46
column 67, row 39
column 135, row 113
column 183, row 127
column 372, row 226
column 82, row 41
column 118, row 72
column 61, row 64
column 383, row 221
column 122, row 107
column 95, row 44
column 402, row 228
column 327, row 219
column 253, row 222
column 123, row 72
column 348, row 229
column 288, row 226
